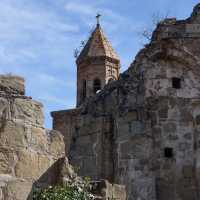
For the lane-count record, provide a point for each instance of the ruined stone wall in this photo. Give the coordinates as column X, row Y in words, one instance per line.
column 174, row 113
column 121, row 134
column 143, row 130
column 173, row 28
column 27, row 150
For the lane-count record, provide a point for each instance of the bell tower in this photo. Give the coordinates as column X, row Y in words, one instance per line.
column 97, row 64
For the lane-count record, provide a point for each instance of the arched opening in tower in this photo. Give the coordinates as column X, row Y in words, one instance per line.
column 96, row 85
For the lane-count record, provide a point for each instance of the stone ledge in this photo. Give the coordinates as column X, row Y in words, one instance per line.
column 74, row 111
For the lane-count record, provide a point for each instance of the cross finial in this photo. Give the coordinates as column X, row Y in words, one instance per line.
column 98, row 17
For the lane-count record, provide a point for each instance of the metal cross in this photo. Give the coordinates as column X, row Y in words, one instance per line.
column 98, row 16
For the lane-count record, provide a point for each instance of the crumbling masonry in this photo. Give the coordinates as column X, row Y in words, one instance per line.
column 142, row 130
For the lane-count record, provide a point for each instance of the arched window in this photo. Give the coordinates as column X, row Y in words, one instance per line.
column 84, row 90
column 96, row 85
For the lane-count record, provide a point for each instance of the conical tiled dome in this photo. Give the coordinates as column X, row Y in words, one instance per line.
column 97, row 46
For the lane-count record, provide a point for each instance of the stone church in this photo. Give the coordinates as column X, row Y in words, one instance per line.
column 140, row 128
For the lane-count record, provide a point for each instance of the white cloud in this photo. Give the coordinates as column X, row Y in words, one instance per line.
column 25, row 30
column 31, row 18
column 88, row 12
column 80, row 8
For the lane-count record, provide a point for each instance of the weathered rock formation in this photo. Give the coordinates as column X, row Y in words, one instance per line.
column 27, row 150
column 143, row 130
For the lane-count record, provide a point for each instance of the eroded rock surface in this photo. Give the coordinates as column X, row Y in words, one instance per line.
column 27, row 149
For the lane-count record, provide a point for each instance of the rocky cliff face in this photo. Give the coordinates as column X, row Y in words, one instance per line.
column 27, row 150
column 143, row 130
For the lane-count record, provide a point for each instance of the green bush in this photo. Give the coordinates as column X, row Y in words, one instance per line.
column 61, row 193
column 71, row 191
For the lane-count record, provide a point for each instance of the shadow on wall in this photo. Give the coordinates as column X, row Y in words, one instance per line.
column 52, row 177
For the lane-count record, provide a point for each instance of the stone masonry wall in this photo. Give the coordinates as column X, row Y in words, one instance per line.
column 174, row 114
column 65, row 122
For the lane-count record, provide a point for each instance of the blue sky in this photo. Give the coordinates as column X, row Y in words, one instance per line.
column 38, row 39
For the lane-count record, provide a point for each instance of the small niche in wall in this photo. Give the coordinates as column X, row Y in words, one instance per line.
column 129, row 127
column 176, row 83
column 168, row 152
column 198, row 119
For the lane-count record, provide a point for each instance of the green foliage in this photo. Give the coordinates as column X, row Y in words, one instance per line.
column 61, row 193
column 67, row 192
